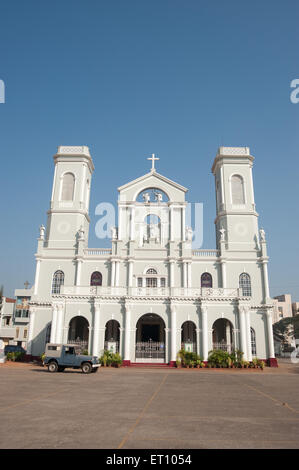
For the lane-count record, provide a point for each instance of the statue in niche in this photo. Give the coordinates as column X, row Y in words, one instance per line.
column 262, row 235
column 146, row 197
column 222, row 234
column 189, row 234
column 42, row 232
column 81, row 233
column 113, row 233
column 159, row 197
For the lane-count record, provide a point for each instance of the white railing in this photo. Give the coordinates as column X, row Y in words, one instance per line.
column 224, row 347
column 205, row 253
column 150, row 291
column 98, row 251
column 220, row 292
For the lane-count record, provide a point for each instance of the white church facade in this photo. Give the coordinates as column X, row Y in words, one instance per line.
column 151, row 293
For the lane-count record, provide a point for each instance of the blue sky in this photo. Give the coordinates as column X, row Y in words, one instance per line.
column 131, row 78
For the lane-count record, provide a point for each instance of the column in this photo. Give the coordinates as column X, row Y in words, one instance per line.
column 223, row 274
column 127, row 358
column 198, row 341
column 54, row 324
column 112, row 273
column 183, row 224
column 266, row 280
column 243, row 332
column 189, row 275
column 184, row 274
column 36, row 276
column 96, row 328
column 171, row 223
column 205, row 341
column 78, row 273
column 173, row 335
column 270, row 335
column 117, row 263
column 130, row 280
column 166, row 345
column 31, row 331
column 132, row 230
column 121, row 342
column 248, row 330
column 171, row 264
column 227, row 333
column 59, row 323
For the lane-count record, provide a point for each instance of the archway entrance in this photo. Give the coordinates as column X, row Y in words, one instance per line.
column 223, row 335
column 79, row 332
column 112, row 335
column 150, row 339
column 188, row 336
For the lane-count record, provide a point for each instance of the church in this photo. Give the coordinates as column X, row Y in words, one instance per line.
column 151, row 293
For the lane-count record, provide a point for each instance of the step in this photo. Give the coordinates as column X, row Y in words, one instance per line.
column 149, row 364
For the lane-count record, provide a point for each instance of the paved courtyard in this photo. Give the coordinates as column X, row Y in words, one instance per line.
column 149, row 408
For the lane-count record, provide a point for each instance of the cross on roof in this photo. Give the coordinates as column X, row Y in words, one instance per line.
column 26, row 284
column 153, row 159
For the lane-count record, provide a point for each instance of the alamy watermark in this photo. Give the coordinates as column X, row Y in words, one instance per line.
column 144, row 224
column 2, row 92
column 294, row 97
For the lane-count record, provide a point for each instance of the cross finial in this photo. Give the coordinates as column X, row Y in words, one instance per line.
column 26, row 284
column 153, row 159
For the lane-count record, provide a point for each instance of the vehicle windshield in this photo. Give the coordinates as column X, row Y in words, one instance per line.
column 70, row 350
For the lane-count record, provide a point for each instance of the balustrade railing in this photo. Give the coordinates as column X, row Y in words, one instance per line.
column 224, row 347
column 205, row 253
column 206, row 292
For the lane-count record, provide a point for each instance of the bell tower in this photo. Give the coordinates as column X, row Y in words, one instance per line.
column 69, row 206
column 236, row 218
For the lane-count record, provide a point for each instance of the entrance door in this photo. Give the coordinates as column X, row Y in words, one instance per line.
column 150, row 339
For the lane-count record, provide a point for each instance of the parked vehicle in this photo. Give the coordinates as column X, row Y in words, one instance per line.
column 9, row 348
column 61, row 356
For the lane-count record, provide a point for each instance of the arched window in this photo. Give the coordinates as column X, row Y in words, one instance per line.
column 253, row 342
column 68, row 185
column 245, row 284
column 151, row 271
column 151, row 281
column 206, row 280
column 237, row 186
column 96, row 279
column 58, row 280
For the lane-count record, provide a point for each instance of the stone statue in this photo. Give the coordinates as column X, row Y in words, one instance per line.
column 81, row 233
column 158, row 197
column 146, row 197
column 42, row 232
column 222, row 234
column 262, row 235
column 189, row 234
column 113, row 233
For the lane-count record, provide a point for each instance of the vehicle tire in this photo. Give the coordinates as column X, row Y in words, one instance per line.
column 53, row 367
column 61, row 368
column 86, row 367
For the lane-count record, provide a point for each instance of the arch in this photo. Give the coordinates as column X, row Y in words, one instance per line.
column 188, row 336
column 112, row 335
column 223, row 335
column 152, row 195
column 151, row 271
column 79, row 332
column 206, row 280
column 57, row 281
column 253, row 342
column 150, row 338
column 245, row 284
column 237, row 189
column 96, row 279
column 68, row 186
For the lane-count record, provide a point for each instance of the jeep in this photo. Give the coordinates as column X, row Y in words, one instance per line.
column 61, row 356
